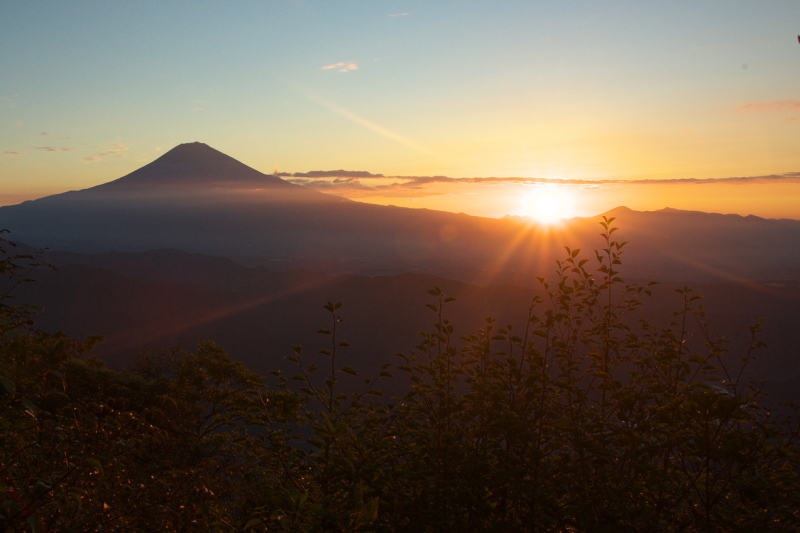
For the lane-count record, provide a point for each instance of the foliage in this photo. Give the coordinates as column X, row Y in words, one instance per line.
column 585, row 418
column 15, row 270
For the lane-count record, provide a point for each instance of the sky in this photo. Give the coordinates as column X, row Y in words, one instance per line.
column 683, row 104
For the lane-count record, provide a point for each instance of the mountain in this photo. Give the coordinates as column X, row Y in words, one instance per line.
column 199, row 200
column 154, row 300
column 195, row 165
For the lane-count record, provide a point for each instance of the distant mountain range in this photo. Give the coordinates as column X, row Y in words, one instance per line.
column 157, row 299
column 197, row 245
column 197, row 199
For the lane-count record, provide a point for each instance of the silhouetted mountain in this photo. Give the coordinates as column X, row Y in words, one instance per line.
column 159, row 298
column 194, row 165
column 196, row 199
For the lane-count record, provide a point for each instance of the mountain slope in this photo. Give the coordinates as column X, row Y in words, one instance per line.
column 194, row 165
column 198, row 200
column 159, row 298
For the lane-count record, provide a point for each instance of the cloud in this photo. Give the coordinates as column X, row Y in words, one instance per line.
column 399, row 14
column 52, row 149
column 8, row 153
column 18, row 123
column 338, row 184
column 5, row 101
column 337, row 174
column 46, row 133
column 341, row 183
column 367, row 124
column 776, row 105
column 342, row 66
column 113, row 150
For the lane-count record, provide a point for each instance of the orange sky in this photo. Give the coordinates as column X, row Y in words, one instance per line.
column 768, row 197
column 572, row 90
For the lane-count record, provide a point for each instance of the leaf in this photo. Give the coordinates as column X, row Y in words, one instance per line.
column 368, row 514
column 33, row 521
column 91, row 461
column 29, row 406
column 253, row 523
column 349, row 370
column 8, row 386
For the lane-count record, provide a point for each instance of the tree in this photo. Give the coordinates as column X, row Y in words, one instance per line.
column 582, row 417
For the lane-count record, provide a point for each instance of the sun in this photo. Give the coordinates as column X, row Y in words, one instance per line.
column 547, row 204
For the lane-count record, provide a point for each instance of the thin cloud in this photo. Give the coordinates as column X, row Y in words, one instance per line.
column 343, row 183
column 339, row 184
column 776, row 105
column 399, row 14
column 46, row 133
column 342, row 66
column 337, row 174
column 8, row 153
column 113, row 150
column 349, row 115
column 52, row 149
column 5, row 101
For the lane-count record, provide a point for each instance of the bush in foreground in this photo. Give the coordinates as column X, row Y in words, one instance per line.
column 583, row 419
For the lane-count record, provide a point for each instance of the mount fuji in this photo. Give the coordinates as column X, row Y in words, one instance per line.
column 199, row 200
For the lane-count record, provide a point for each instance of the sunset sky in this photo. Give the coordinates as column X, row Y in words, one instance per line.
column 644, row 104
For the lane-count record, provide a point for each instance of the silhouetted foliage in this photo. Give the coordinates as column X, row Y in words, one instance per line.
column 582, row 419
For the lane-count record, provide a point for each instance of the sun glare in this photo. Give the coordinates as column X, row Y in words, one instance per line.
column 547, row 204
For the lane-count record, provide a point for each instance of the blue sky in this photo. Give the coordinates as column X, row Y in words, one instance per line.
column 572, row 90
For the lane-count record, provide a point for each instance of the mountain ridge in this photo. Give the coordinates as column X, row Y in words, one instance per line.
column 194, row 164
column 199, row 200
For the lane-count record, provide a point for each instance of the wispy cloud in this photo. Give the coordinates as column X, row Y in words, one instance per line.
column 399, row 14
column 9, row 153
column 5, row 101
column 775, row 105
column 349, row 115
column 52, row 149
column 46, row 133
column 113, row 150
column 18, row 123
column 342, row 66
column 343, row 183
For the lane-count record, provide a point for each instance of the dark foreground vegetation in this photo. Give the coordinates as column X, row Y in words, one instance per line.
column 579, row 421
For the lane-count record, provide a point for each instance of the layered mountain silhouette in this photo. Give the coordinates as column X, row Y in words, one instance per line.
column 199, row 200
column 157, row 299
